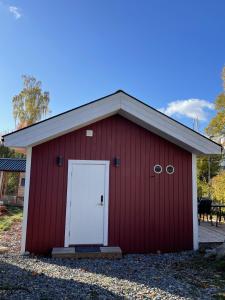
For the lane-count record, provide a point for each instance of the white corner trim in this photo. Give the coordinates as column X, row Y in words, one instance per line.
column 69, row 194
column 26, row 200
column 195, row 203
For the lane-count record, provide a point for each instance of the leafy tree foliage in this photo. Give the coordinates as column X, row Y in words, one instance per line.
column 7, row 152
column 29, row 107
column 216, row 126
column 218, row 190
column 204, row 186
column 12, row 183
column 31, row 104
column 10, row 180
column 223, row 77
column 203, row 166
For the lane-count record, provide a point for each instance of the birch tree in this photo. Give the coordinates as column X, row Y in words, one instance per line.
column 31, row 104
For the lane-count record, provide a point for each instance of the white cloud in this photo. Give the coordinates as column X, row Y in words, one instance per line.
column 191, row 108
column 15, row 11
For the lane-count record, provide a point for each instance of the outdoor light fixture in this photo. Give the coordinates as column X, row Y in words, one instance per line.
column 89, row 132
column 59, row 161
column 116, row 162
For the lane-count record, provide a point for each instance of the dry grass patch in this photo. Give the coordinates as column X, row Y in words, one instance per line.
column 13, row 214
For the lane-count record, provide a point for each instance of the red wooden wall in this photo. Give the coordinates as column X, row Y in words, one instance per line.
column 147, row 211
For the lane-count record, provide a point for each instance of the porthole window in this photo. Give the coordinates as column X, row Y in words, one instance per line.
column 170, row 169
column 158, row 169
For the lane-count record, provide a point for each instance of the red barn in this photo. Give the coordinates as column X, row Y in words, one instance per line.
column 113, row 172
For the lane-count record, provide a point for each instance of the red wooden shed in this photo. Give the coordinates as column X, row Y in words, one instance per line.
column 113, row 172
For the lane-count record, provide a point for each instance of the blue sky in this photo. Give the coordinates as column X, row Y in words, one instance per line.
column 157, row 50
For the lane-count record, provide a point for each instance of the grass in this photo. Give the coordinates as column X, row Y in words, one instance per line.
column 13, row 215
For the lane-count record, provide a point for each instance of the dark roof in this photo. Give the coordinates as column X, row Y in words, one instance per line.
column 13, row 164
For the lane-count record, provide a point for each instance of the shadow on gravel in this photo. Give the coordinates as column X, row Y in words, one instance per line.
column 153, row 272
column 18, row 283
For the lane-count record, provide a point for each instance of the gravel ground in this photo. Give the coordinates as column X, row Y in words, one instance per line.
column 166, row 276
column 11, row 238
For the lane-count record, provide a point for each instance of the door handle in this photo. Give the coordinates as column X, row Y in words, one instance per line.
column 101, row 201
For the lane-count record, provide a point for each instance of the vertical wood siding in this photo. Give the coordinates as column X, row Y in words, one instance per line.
column 147, row 211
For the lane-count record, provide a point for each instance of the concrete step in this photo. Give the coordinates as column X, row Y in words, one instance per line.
column 87, row 252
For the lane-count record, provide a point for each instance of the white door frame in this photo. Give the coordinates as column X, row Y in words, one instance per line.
column 69, row 197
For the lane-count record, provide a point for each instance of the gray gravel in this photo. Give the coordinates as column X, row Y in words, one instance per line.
column 12, row 238
column 133, row 277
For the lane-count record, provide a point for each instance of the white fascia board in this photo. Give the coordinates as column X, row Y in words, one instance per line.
column 64, row 123
column 159, row 133
column 120, row 102
column 168, row 128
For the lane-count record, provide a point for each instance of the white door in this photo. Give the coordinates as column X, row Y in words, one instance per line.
column 88, row 203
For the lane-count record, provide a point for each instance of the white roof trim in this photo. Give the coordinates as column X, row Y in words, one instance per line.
column 123, row 104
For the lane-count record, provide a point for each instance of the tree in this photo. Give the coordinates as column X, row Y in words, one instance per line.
column 216, row 126
column 223, row 77
column 31, row 104
column 203, row 167
column 8, row 180
column 6, row 152
column 203, row 188
column 218, row 184
column 204, row 175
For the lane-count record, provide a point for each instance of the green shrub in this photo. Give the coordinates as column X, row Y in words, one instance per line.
column 12, row 183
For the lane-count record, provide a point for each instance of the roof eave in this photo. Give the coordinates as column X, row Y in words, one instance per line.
column 127, row 106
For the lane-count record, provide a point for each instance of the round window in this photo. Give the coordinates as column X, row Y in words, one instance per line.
column 158, row 169
column 170, row 169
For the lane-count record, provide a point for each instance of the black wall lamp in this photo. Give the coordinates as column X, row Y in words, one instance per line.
column 59, row 161
column 116, row 162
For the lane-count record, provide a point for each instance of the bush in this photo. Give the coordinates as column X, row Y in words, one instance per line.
column 203, row 188
column 12, row 183
column 218, row 187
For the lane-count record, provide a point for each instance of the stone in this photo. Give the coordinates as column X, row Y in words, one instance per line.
column 111, row 252
column 210, row 253
column 63, row 252
column 110, row 249
column 3, row 250
column 220, row 251
column 102, row 252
